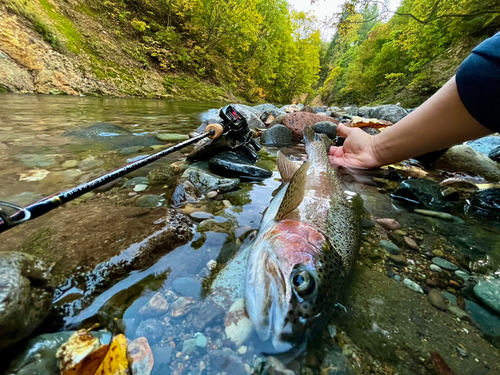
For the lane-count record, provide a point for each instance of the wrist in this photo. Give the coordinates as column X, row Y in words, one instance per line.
column 378, row 150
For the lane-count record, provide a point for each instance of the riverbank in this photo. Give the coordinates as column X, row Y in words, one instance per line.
column 42, row 51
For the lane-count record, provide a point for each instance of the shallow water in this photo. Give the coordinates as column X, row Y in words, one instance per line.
column 386, row 328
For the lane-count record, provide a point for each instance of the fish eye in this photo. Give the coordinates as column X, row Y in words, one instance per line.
column 303, row 282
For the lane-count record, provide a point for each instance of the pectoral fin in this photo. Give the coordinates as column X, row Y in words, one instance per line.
column 286, row 167
column 295, row 192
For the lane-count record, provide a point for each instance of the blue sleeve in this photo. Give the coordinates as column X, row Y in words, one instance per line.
column 478, row 83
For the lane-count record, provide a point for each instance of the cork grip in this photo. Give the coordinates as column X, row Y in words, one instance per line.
column 217, row 128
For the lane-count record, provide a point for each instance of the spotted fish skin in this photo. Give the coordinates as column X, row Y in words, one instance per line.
column 305, row 250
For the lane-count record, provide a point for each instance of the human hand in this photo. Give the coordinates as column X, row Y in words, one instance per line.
column 358, row 150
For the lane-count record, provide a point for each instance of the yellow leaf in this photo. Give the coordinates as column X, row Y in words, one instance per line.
column 360, row 122
column 115, row 362
column 90, row 363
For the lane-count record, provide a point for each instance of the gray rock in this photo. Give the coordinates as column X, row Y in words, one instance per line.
column 390, row 247
column 226, row 361
column 422, row 192
column 131, row 150
column 367, row 223
column 488, row 291
column 337, row 364
column 233, row 164
column 463, row 275
column 36, row 161
column 189, row 346
column 100, row 129
column 201, row 340
column 187, row 286
column 89, row 163
column 211, row 115
column 495, row 154
column 167, row 137
column 275, row 367
column 136, row 181
column 162, row 357
column 397, row 278
column 207, row 316
column 25, row 296
column 437, row 299
column 439, row 215
column 156, row 306
column 443, row 263
column 353, row 110
column 457, row 311
column 463, row 158
column 150, row 201
column 69, row 164
column 413, row 285
column 364, row 111
column 277, row 120
column 390, row 112
column 371, row 131
column 278, row 135
column 486, row 144
column 198, row 174
column 265, row 107
column 435, row 268
column 450, row 297
column 150, row 329
column 485, row 321
column 326, row 127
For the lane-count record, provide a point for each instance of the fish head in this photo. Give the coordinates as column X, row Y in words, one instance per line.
column 293, row 274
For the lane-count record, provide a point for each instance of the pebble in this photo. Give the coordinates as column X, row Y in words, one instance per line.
column 150, row 201
column 411, row 243
column 443, row 263
column 413, row 285
column 242, row 349
column 390, row 247
column 151, row 329
column 201, row 340
column 189, row 346
column 461, row 352
column 140, row 187
column 136, row 181
column 212, row 194
column 69, row 164
column 172, row 137
column 367, row 223
column 332, row 330
column 463, row 275
column 439, row 215
column 397, row 278
column 399, row 259
column 488, row 291
column 457, row 311
column 212, row 264
column 181, row 306
column 389, row 224
column 436, row 299
column 162, row 357
column 437, row 252
column 435, row 268
column 87, row 196
column 89, row 164
column 157, row 305
column 140, row 357
column 226, row 203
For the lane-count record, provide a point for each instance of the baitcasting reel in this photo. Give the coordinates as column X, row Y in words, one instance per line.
column 236, row 128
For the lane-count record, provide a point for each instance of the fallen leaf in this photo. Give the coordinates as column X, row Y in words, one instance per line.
column 73, row 351
column 115, row 362
column 440, row 365
column 360, row 122
column 34, row 175
column 90, row 364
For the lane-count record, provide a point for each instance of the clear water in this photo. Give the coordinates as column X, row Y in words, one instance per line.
column 384, row 327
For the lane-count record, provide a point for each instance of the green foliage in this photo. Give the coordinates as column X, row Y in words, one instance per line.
column 407, row 58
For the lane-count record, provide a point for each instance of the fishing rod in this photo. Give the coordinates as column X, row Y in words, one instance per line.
column 234, row 126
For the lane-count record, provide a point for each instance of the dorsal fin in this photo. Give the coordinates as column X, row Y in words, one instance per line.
column 286, row 167
column 295, row 192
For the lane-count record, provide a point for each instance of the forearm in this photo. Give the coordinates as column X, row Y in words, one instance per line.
column 442, row 121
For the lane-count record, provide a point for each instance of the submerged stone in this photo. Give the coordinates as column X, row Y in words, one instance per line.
column 25, row 295
column 99, row 129
column 151, row 329
column 488, row 291
column 422, row 192
column 35, row 160
column 200, row 176
column 485, row 321
column 187, row 286
column 389, row 112
column 413, row 285
column 150, row 201
column 277, row 136
column 167, row 137
column 232, row 164
column 390, row 247
column 486, row 203
column 443, row 263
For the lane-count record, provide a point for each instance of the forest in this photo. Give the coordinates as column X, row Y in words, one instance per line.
column 264, row 50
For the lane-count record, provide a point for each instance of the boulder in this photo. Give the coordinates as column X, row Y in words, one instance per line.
column 278, row 135
column 25, row 296
column 233, row 164
column 485, row 145
column 277, row 120
column 364, row 112
column 463, row 158
column 326, row 127
column 261, row 108
column 494, row 154
column 423, row 193
column 390, row 112
column 204, row 180
column 297, row 121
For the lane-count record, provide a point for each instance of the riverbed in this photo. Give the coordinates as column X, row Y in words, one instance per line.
column 383, row 327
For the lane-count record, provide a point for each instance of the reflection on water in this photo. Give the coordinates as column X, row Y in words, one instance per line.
column 110, row 269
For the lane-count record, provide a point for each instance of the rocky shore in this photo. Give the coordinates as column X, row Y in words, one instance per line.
column 424, row 297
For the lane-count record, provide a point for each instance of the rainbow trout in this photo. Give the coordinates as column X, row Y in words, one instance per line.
column 305, row 249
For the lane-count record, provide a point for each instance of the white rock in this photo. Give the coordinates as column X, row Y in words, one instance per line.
column 239, row 327
column 435, row 268
column 140, row 187
column 212, row 264
column 413, row 285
